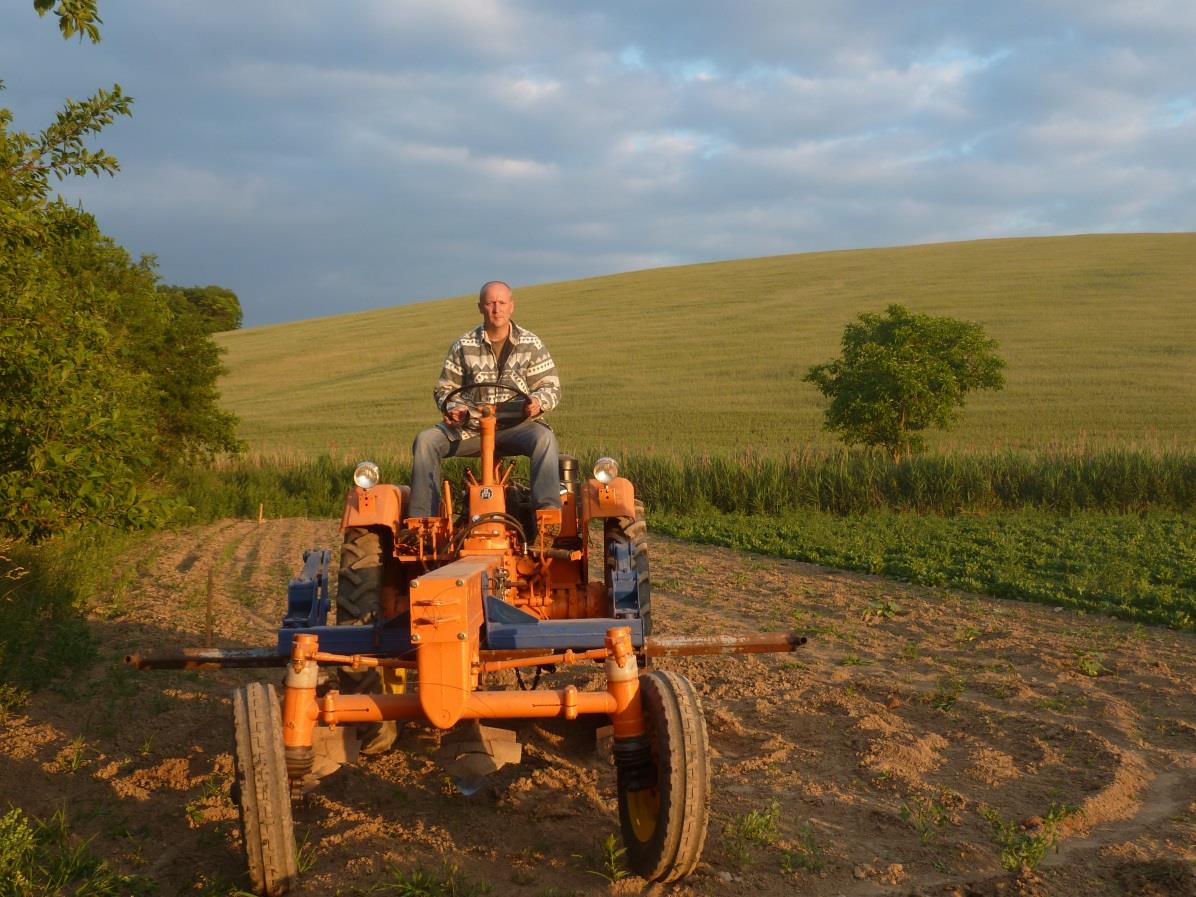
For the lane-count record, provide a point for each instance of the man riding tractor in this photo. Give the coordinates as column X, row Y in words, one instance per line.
column 497, row 351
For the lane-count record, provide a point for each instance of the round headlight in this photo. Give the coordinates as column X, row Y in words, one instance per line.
column 366, row 475
column 605, row 470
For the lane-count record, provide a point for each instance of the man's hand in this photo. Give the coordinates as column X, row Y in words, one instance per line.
column 456, row 416
column 533, row 406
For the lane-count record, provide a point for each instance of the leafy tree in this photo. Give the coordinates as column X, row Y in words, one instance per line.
column 219, row 307
column 902, row 372
column 103, row 379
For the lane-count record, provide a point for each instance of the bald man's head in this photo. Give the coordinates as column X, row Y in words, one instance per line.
column 496, row 304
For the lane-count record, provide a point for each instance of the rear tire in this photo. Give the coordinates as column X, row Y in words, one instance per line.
column 263, row 792
column 359, row 580
column 632, row 531
column 362, row 575
column 664, row 825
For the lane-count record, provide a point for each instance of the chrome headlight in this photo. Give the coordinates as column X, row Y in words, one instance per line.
column 605, row 470
column 366, row 475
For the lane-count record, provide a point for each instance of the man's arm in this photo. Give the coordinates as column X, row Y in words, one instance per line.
column 544, row 386
column 452, row 375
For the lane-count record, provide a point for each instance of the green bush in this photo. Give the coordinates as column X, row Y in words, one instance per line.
column 43, row 592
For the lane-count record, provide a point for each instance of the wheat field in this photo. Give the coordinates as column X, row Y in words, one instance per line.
column 1099, row 333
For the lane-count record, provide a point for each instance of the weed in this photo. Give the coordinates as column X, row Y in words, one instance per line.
column 74, row 757
column 1091, row 663
column 998, row 689
column 1019, row 848
column 880, row 610
column 756, row 827
column 853, row 660
column 966, row 633
column 911, row 651
column 606, row 860
column 305, row 854
column 946, row 694
column 445, row 882
column 926, row 816
column 11, row 698
column 805, row 853
column 43, row 857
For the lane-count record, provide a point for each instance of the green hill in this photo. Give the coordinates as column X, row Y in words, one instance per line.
column 1099, row 333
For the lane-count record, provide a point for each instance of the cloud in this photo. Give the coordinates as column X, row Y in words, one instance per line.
column 321, row 158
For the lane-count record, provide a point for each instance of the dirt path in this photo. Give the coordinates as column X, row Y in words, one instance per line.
column 858, row 766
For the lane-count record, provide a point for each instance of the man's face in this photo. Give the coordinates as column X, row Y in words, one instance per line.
column 496, row 307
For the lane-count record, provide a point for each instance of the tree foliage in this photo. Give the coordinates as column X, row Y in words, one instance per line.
column 104, row 380
column 902, row 372
column 218, row 307
column 75, row 17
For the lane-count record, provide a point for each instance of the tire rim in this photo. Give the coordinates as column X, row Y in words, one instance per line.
column 643, row 809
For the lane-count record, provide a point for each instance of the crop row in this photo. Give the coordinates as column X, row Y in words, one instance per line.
column 1135, row 566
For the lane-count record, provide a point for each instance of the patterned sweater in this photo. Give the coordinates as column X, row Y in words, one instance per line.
column 471, row 360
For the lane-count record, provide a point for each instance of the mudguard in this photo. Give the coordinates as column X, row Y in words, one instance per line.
column 613, row 499
column 381, row 505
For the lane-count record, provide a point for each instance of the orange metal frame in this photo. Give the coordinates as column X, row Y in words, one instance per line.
column 446, row 606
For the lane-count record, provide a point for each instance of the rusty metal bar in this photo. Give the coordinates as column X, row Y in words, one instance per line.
column 207, row 659
column 757, row 643
column 654, row 646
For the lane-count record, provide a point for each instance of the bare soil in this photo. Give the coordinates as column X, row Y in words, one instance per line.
column 859, row 765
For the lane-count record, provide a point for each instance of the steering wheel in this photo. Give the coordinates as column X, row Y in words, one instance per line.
column 508, row 413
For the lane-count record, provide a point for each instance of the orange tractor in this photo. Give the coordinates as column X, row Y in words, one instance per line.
column 499, row 587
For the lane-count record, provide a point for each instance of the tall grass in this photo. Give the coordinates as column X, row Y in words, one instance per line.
column 840, row 482
column 846, row 482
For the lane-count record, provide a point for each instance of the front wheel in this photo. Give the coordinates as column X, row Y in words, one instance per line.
column 664, row 811
column 262, row 790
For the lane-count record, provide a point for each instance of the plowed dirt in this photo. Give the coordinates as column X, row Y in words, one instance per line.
column 860, row 765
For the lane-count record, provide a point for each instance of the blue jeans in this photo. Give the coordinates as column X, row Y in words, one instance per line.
column 531, row 438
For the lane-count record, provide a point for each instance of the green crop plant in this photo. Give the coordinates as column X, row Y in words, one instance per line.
column 880, row 610
column 606, row 860
column 947, row 692
column 805, row 853
column 1028, row 555
column 926, row 816
column 1091, row 663
column 911, row 651
column 1021, row 848
column 757, row 828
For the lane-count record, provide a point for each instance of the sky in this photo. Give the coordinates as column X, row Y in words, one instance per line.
column 327, row 157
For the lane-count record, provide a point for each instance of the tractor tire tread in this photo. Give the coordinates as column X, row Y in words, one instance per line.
column 683, row 770
column 264, row 790
column 360, row 577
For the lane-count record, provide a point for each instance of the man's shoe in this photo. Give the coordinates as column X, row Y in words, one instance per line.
column 548, row 523
column 378, row 738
